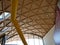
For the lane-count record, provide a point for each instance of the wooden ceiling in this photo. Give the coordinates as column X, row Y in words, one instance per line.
column 35, row 17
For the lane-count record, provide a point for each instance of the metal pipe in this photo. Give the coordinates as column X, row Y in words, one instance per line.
column 15, row 22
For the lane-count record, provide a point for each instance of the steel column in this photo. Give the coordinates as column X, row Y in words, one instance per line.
column 3, row 40
column 15, row 22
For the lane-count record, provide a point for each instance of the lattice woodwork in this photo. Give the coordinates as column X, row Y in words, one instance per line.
column 34, row 16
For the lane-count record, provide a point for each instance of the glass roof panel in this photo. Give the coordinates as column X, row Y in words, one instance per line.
column 4, row 15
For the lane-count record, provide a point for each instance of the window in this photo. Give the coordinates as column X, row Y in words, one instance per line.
column 4, row 15
column 30, row 41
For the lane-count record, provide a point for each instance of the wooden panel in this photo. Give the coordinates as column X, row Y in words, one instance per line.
column 34, row 16
column 0, row 5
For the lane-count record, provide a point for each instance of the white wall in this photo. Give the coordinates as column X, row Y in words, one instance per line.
column 48, row 39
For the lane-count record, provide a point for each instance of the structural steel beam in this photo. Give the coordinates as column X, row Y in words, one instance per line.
column 15, row 22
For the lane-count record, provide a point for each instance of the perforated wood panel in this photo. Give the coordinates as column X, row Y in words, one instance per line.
column 35, row 16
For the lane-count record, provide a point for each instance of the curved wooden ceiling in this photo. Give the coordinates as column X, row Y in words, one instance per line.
column 35, row 16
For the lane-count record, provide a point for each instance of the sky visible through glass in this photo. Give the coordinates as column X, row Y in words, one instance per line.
column 4, row 15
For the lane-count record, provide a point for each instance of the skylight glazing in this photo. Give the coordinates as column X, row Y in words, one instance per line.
column 4, row 15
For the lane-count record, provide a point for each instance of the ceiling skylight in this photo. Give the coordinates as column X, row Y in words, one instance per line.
column 4, row 15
